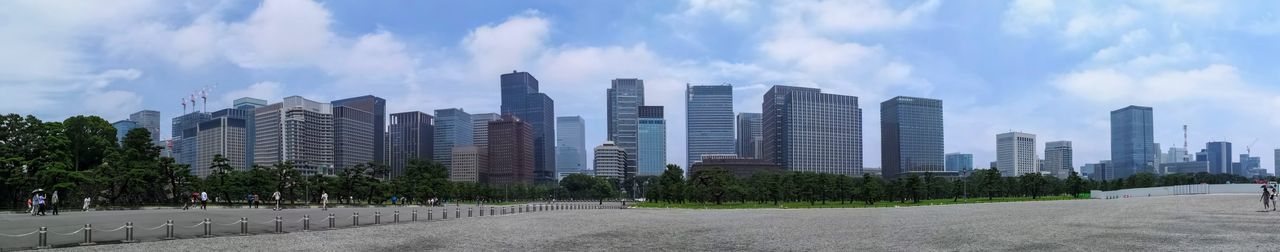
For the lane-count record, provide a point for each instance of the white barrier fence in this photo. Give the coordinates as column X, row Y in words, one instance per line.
column 1177, row 190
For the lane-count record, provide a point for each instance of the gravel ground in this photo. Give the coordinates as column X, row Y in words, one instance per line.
column 1174, row 223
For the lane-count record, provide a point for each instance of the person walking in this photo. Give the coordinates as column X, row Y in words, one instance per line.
column 276, row 196
column 204, row 200
column 54, row 202
column 1273, row 198
column 31, row 207
column 86, row 204
column 324, row 201
column 1266, row 198
column 40, row 204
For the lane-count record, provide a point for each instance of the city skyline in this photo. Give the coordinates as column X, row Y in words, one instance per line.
column 1096, row 68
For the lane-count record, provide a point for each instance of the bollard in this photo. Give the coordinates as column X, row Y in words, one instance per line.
column 429, row 216
column 457, row 212
column 469, row 210
column 44, row 238
column 395, row 218
column 355, row 219
column 128, row 233
column 306, row 223
column 331, row 221
column 377, row 218
column 244, row 226
column 279, row 228
column 168, row 230
column 444, row 214
column 490, row 211
column 481, row 211
column 207, row 229
column 88, row 234
column 414, row 217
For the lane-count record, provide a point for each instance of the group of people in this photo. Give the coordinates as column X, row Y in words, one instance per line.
column 255, row 201
column 1268, row 197
column 200, row 199
column 39, row 203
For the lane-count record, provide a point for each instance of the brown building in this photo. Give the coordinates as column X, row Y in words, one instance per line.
column 511, row 152
column 741, row 168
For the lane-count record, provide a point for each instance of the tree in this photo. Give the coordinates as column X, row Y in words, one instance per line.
column 989, row 181
column 714, row 182
column 671, row 184
column 1032, row 184
column 222, row 168
column 579, row 185
column 178, row 176
column 1076, row 185
column 91, row 139
column 872, row 189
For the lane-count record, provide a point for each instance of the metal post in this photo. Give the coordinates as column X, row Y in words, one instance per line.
column 415, row 216
column 168, row 230
column 44, row 238
column 244, row 226
column 88, row 234
column 306, row 223
column 355, row 219
column 457, row 212
column 377, row 218
column 207, row 228
column 490, row 210
column 279, row 228
column 128, row 232
column 481, row 211
column 429, row 216
column 395, row 217
column 444, row 214
column 469, row 211
column 331, row 221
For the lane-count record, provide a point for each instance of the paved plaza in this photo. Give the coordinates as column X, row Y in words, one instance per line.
column 1180, row 223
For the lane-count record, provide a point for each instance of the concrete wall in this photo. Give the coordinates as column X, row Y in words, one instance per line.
column 1178, row 190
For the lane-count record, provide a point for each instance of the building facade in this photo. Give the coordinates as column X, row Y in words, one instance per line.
column 1133, row 148
column 741, row 168
column 1188, row 167
column 749, row 138
column 480, row 128
column 911, row 136
column 652, row 159
column 354, row 137
column 377, row 108
column 610, row 160
column 1218, row 154
column 511, row 152
column 961, row 163
column 453, row 128
column 806, row 130
column 467, row 162
column 1248, row 164
column 624, row 98
column 520, row 97
column 1016, row 154
column 708, row 121
column 122, row 129
column 571, row 144
column 411, row 138
column 1057, row 159
column 185, row 142
column 150, row 120
column 225, row 136
column 295, row 130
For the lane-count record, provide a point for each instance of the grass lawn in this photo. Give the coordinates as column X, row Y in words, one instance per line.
column 836, row 204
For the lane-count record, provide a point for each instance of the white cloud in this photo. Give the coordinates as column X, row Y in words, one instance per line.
column 267, row 90
column 282, row 33
column 856, row 16
column 733, row 11
column 507, row 46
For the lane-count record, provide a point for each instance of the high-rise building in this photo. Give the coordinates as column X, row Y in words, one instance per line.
column 453, row 128
column 1016, row 154
column 150, row 120
column 247, row 105
column 806, row 130
column 625, row 96
column 184, row 132
column 411, row 138
column 296, row 130
column 467, row 163
column 652, row 159
column 122, row 129
column 1057, row 159
column 1248, row 164
column 520, row 97
column 480, row 128
column 1133, row 147
column 610, row 160
column 354, row 137
column 1275, row 157
column 377, row 108
column 511, row 152
column 570, row 144
column 749, row 138
column 911, row 136
column 960, row 163
column 223, row 135
column 708, row 121
column 1095, row 171
column 1218, row 154
column 1175, row 155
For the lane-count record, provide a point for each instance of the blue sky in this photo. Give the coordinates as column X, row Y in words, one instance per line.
column 1051, row 68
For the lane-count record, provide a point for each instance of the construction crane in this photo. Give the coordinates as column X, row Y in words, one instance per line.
column 1248, row 150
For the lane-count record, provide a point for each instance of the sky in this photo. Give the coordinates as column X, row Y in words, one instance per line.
column 1051, row 68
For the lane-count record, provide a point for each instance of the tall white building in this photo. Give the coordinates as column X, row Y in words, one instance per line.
column 610, row 160
column 1057, row 159
column 297, row 130
column 468, row 161
column 1176, row 155
column 1016, row 154
column 480, row 128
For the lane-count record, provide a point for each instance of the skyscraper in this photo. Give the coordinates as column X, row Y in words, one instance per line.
column 960, row 163
column 624, row 98
column 610, row 160
column 247, row 105
column 1133, row 147
column 184, row 132
column 520, row 98
column 411, row 138
column 911, row 136
column 150, row 120
column 223, row 135
column 122, row 129
column 1057, row 158
column 571, row 145
column 1016, row 154
column 480, row 128
column 652, row 159
column 354, row 137
column 377, row 108
column 1176, row 155
column 709, row 121
column 453, row 128
column 809, row 131
column 511, row 152
column 297, row 130
column 467, row 163
column 1275, row 157
column 748, row 143
column 1248, row 164
column 1218, row 154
